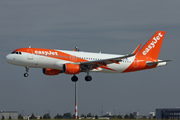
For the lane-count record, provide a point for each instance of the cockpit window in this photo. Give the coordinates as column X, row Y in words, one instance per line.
column 16, row 53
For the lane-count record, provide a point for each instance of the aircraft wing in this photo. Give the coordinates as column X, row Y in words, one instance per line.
column 95, row 64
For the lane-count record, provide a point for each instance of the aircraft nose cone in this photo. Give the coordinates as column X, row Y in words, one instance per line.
column 7, row 58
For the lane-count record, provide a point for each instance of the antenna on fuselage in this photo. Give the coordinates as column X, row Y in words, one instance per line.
column 76, row 49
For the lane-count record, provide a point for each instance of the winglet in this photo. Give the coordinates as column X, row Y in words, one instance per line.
column 137, row 49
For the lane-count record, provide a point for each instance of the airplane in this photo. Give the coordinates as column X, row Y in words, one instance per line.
column 54, row 62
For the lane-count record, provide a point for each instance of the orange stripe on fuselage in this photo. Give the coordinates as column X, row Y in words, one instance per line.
column 52, row 54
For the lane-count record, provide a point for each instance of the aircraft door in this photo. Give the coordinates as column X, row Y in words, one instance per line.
column 30, row 54
column 32, row 61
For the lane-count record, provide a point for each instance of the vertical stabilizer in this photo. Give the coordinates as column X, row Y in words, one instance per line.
column 152, row 48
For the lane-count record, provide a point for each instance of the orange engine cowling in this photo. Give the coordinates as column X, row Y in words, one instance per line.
column 48, row 71
column 71, row 68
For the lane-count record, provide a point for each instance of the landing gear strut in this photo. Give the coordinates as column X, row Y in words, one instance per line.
column 74, row 78
column 26, row 74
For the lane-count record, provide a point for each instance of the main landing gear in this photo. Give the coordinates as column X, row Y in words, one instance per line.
column 75, row 78
column 88, row 78
column 26, row 74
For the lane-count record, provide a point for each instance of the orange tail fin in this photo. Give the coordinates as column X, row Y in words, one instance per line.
column 152, row 48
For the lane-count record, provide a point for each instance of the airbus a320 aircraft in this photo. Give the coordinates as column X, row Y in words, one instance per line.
column 54, row 62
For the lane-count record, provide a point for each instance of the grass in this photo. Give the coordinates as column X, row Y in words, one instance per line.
column 97, row 119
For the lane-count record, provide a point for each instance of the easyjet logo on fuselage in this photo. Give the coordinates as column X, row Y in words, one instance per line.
column 46, row 52
column 152, row 44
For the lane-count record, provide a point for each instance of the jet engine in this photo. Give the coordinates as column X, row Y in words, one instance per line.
column 48, row 71
column 71, row 69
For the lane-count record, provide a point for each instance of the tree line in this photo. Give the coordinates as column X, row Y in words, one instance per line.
column 69, row 115
column 47, row 116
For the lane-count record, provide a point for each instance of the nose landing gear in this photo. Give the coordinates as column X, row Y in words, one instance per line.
column 26, row 74
column 74, row 78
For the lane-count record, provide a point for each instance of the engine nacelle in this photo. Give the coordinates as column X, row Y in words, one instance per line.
column 71, row 68
column 48, row 71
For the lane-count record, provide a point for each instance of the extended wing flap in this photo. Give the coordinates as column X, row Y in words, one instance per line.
column 107, row 61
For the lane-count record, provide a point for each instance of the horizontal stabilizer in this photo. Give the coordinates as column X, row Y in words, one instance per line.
column 153, row 63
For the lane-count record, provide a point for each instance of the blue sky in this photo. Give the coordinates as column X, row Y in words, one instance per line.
column 108, row 26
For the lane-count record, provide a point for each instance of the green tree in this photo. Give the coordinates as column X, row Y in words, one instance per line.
column 20, row 116
column 46, row 116
column 82, row 115
column 58, row 116
column 67, row 115
column 32, row 116
column 96, row 117
column 119, row 117
column 131, row 116
column 89, row 115
column 114, row 116
column 126, row 116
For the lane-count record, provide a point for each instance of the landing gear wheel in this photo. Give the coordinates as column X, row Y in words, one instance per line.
column 25, row 74
column 74, row 78
column 88, row 78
